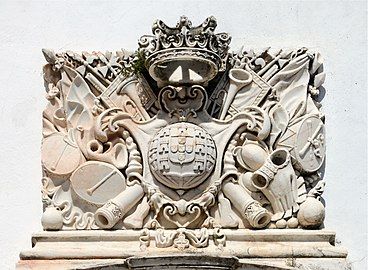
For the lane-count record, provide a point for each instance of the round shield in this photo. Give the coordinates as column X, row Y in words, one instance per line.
column 60, row 156
column 306, row 142
column 96, row 182
column 310, row 147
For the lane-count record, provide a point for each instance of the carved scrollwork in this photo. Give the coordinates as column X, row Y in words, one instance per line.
column 183, row 102
column 183, row 238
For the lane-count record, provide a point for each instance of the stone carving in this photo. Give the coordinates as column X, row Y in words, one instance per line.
column 183, row 137
column 182, row 155
column 183, row 238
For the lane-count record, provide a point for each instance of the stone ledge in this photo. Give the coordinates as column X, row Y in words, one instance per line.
column 240, row 243
column 243, row 249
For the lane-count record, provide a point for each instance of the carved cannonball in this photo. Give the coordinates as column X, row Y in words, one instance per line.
column 292, row 222
column 281, row 224
column 182, row 155
column 311, row 213
column 52, row 219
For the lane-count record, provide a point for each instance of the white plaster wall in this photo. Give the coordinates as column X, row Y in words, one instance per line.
column 337, row 29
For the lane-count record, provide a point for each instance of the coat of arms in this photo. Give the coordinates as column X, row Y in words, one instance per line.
column 183, row 134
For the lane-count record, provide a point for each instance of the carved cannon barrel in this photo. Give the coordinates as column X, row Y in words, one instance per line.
column 264, row 175
column 109, row 214
column 252, row 211
column 277, row 180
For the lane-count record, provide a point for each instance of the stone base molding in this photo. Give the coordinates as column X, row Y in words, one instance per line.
column 140, row 249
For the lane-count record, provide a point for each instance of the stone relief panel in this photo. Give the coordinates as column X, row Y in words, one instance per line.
column 183, row 137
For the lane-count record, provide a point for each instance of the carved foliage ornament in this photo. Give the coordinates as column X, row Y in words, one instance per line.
column 183, row 134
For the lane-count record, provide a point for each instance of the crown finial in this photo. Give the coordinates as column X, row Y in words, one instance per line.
column 185, row 54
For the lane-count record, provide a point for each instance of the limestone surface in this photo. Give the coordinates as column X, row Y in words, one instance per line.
column 184, row 146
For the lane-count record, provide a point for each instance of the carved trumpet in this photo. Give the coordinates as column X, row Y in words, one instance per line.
column 238, row 79
column 277, row 180
column 114, row 210
column 257, row 216
column 129, row 87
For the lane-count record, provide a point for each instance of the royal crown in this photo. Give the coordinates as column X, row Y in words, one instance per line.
column 185, row 54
